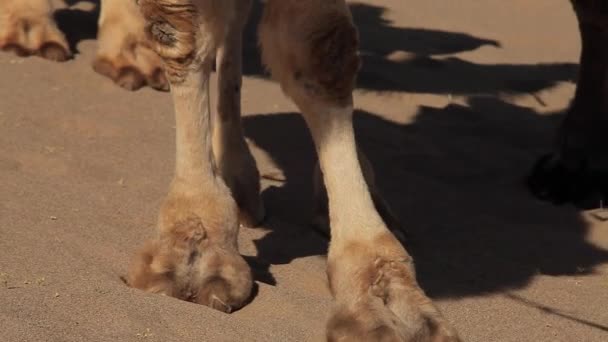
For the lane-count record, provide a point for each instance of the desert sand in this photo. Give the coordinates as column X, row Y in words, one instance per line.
column 455, row 102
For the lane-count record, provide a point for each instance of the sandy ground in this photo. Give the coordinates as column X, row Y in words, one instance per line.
column 456, row 100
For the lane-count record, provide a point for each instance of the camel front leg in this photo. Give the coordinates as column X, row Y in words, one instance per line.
column 311, row 49
column 195, row 256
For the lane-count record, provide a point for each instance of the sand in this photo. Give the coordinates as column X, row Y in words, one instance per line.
column 455, row 102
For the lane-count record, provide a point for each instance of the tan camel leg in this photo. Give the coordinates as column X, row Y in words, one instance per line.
column 233, row 158
column 195, row 256
column 311, row 49
column 124, row 53
column 27, row 28
column 321, row 210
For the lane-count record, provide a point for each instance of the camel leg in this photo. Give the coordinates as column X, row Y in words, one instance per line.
column 27, row 28
column 582, row 135
column 320, row 219
column 311, row 49
column 195, row 256
column 577, row 171
column 124, row 53
column 234, row 160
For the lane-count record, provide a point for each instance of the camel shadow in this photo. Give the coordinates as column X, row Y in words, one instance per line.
column 454, row 178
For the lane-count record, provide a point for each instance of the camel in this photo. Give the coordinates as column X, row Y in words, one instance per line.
column 310, row 48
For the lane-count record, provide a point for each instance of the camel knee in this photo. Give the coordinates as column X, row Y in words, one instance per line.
column 186, row 33
column 312, row 54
